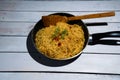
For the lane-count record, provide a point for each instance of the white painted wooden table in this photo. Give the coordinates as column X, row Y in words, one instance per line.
column 17, row 18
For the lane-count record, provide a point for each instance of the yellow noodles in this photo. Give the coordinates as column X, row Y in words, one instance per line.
column 60, row 41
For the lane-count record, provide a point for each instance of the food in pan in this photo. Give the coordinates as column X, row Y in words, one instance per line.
column 60, row 41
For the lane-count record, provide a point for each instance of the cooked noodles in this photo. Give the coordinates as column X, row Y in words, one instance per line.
column 60, row 41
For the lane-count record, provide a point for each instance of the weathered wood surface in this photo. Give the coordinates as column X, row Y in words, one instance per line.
column 58, row 76
column 60, row 5
column 17, row 19
column 26, row 16
column 91, row 63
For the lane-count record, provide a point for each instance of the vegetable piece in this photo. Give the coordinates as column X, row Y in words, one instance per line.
column 59, row 34
column 56, row 33
column 64, row 33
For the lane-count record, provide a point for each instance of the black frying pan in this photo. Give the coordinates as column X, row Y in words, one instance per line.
column 40, row 25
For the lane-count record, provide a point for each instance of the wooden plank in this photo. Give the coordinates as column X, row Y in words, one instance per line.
column 88, row 63
column 54, row 76
column 23, row 28
column 107, row 28
column 36, row 16
column 15, row 28
column 13, row 44
column 59, row 5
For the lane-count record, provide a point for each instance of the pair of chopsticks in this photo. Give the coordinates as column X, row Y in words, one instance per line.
column 97, row 24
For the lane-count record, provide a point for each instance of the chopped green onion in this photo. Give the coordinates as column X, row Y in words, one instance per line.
column 64, row 33
column 56, row 33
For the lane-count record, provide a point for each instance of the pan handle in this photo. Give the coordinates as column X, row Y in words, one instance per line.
column 105, row 42
column 96, row 38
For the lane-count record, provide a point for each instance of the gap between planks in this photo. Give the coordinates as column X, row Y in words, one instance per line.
column 60, row 72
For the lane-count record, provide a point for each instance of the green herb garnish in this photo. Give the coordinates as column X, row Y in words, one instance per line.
column 59, row 34
column 64, row 33
column 56, row 33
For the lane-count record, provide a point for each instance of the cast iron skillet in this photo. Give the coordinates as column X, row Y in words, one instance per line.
column 40, row 25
